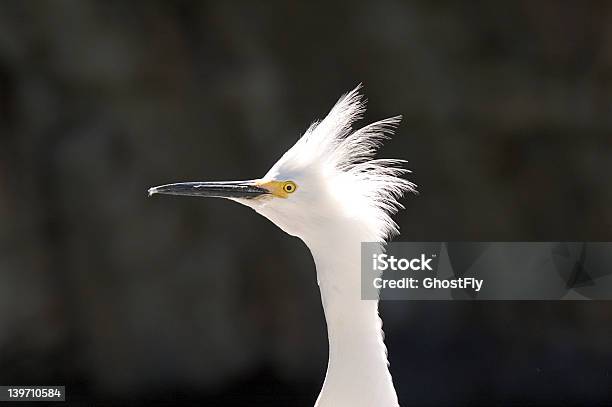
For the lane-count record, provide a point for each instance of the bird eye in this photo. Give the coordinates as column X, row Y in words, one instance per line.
column 289, row 187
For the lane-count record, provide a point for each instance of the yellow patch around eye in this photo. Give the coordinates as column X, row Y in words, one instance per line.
column 281, row 189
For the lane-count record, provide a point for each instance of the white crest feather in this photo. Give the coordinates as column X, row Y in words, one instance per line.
column 368, row 186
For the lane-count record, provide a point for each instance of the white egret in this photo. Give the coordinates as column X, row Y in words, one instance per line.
column 329, row 191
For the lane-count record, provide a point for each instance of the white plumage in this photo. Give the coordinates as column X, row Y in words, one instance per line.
column 329, row 191
column 364, row 187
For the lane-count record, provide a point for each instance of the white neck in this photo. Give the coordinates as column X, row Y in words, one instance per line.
column 357, row 371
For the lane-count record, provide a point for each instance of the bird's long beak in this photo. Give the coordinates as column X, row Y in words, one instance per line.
column 223, row 189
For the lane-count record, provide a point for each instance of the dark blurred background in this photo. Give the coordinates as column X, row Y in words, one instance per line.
column 126, row 300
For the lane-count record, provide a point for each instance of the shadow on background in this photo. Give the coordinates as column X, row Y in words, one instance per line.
column 507, row 126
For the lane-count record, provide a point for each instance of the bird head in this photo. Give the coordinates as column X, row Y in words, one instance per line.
column 328, row 176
